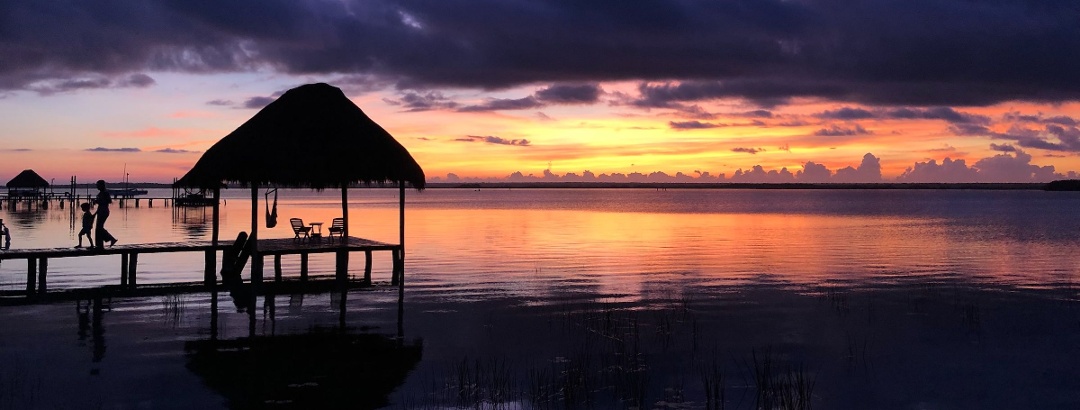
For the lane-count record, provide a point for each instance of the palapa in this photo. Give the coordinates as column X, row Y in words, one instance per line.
column 312, row 136
column 28, row 179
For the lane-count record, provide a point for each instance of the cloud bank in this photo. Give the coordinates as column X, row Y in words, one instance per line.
column 871, row 52
column 1011, row 166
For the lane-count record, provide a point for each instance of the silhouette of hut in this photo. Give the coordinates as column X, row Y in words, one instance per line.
column 27, row 183
column 312, row 136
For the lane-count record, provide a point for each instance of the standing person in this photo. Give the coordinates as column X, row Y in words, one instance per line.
column 6, row 234
column 103, row 200
column 87, row 225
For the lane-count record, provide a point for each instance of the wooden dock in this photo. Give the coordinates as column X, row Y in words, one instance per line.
column 37, row 260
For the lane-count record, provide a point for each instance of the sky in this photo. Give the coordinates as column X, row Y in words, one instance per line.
column 560, row 90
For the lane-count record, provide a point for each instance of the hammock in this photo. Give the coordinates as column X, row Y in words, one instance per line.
column 271, row 216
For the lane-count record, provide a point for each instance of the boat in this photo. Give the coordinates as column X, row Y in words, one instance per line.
column 126, row 192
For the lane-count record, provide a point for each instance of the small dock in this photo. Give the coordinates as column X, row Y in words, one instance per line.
column 37, row 260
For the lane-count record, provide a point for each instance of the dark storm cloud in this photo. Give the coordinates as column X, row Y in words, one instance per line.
column 569, row 94
column 766, row 51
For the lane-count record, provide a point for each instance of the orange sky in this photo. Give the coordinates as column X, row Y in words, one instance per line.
column 157, row 133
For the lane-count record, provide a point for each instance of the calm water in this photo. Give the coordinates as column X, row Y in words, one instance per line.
column 589, row 299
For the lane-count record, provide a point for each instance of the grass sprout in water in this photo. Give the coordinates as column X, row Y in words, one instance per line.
column 616, row 358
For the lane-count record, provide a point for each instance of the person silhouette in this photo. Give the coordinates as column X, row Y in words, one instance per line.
column 103, row 200
column 6, row 234
column 87, row 225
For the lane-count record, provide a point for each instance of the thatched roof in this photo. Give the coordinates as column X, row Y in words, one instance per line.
column 312, row 136
column 28, row 179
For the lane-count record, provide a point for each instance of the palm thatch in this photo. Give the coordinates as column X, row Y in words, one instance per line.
column 28, row 179
column 312, row 136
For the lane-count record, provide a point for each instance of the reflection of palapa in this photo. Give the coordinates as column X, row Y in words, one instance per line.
column 323, row 369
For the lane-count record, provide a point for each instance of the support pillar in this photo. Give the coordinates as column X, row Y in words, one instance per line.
column 43, row 272
column 31, row 275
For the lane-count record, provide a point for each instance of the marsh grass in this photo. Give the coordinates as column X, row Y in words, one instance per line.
column 614, row 357
column 173, row 308
column 780, row 386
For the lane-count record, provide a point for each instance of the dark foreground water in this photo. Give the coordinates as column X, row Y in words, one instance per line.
column 600, row 299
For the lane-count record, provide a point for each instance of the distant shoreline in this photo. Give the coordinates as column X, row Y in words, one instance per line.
column 736, row 185
column 1063, row 185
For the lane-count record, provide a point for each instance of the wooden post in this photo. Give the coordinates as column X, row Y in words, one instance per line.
column 401, row 233
column 210, row 272
column 216, row 219
column 43, row 272
column 303, row 266
column 124, row 270
column 277, row 268
column 150, row 202
column 342, row 271
column 31, row 275
column 367, row 267
column 342, row 264
column 256, row 259
column 133, row 264
column 345, row 213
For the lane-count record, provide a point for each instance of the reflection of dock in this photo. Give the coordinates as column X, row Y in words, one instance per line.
column 38, row 259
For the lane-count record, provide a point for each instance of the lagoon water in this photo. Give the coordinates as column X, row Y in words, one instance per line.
column 583, row 298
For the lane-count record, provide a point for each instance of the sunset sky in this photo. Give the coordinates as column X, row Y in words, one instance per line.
column 724, row 90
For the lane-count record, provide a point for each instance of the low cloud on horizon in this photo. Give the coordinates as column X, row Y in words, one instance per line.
column 1010, row 166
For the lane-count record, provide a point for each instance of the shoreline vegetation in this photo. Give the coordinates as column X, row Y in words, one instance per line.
column 1059, row 185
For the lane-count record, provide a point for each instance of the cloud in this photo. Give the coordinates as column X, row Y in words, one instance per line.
column 494, row 140
column 868, row 171
column 1009, row 166
column 569, row 94
column 937, row 113
column 220, row 103
column 767, row 52
column 258, row 102
column 747, row 150
column 847, row 113
column 1002, row 148
column 64, row 85
column 499, row 104
column 414, row 101
column 175, row 151
column 103, row 149
column 837, row 131
column 693, row 125
column 757, row 114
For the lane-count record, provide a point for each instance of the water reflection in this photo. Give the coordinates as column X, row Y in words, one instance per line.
column 324, row 368
column 193, row 222
column 91, row 323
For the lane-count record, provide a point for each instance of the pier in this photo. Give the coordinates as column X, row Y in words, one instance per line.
column 37, row 260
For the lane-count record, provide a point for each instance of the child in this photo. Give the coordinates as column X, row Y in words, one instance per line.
column 87, row 224
column 4, row 232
